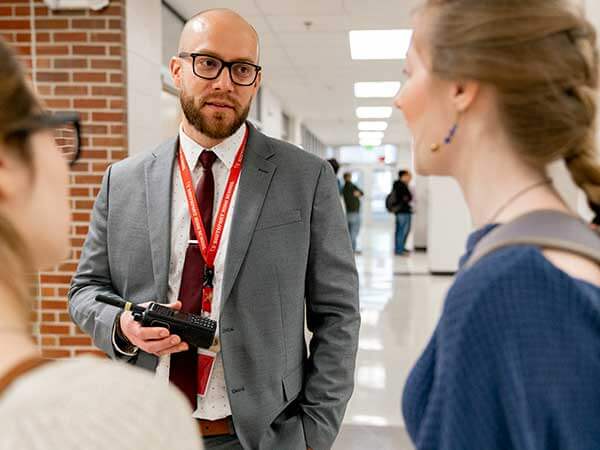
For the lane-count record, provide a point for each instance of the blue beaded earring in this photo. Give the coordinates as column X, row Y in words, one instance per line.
column 447, row 139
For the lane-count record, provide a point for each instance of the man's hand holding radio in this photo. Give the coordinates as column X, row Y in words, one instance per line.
column 154, row 340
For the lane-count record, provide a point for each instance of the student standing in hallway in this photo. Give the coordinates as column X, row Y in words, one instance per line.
column 352, row 195
column 495, row 92
column 404, row 211
column 283, row 252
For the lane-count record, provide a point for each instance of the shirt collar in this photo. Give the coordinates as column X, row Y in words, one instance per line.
column 225, row 151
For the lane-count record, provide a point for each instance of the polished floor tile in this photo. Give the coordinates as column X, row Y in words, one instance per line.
column 400, row 306
column 357, row 437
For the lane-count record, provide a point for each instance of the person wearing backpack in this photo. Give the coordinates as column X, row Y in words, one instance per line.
column 400, row 199
column 494, row 93
column 351, row 195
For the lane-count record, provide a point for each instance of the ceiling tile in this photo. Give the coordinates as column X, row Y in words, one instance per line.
column 297, row 23
column 314, row 39
column 188, row 8
column 301, row 7
column 392, row 9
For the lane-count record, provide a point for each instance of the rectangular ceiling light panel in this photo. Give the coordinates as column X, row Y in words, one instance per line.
column 376, row 89
column 373, row 112
column 372, row 126
column 380, row 44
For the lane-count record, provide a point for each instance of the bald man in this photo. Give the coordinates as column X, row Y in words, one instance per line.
column 269, row 248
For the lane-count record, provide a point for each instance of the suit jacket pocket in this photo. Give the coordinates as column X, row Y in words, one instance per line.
column 280, row 219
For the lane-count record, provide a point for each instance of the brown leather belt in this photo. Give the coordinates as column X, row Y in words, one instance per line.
column 217, row 427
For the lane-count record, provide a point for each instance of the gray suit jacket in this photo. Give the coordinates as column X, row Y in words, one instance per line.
column 289, row 255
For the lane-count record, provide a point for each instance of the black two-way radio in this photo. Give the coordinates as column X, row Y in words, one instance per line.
column 196, row 330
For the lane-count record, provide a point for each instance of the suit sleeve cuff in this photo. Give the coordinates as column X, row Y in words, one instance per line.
column 314, row 436
column 118, row 349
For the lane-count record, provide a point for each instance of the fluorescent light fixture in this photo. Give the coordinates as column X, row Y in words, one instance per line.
column 370, row 142
column 370, row 135
column 380, row 44
column 376, row 89
column 372, row 126
column 373, row 112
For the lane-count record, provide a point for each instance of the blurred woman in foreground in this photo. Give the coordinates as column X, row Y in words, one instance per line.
column 82, row 403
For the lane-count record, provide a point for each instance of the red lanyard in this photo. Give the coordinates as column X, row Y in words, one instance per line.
column 209, row 250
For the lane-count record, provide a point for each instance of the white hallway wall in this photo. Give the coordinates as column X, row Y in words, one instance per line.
column 271, row 114
column 144, row 44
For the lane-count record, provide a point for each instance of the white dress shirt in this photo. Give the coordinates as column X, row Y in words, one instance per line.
column 215, row 405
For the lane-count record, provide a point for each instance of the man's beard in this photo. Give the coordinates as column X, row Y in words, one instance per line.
column 215, row 125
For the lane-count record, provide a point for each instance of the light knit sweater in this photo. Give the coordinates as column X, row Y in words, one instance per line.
column 92, row 404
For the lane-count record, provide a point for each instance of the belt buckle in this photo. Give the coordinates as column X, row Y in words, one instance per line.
column 219, row 427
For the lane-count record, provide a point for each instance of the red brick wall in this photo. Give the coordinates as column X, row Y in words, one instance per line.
column 77, row 62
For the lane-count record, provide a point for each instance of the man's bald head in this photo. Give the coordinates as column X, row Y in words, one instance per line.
column 216, row 20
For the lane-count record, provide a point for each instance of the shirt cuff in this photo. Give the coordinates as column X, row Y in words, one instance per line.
column 114, row 341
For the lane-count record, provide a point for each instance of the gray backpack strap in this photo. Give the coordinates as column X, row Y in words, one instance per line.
column 543, row 228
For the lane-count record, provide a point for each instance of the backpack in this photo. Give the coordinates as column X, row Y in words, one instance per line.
column 391, row 202
column 543, row 228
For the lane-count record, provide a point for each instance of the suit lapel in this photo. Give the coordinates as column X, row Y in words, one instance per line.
column 159, row 176
column 255, row 179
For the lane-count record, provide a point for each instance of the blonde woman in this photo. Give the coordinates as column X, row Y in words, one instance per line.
column 84, row 403
column 495, row 91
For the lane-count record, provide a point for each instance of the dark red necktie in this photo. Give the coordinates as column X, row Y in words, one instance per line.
column 184, row 365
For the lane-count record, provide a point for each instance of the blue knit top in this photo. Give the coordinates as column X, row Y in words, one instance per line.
column 514, row 362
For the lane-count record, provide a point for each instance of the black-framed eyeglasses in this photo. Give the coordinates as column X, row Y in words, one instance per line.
column 65, row 125
column 210, row 67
